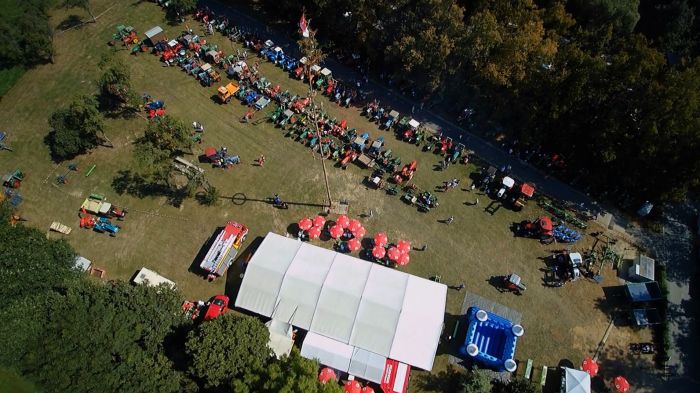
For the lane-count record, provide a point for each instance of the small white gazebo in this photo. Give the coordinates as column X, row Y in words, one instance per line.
column 575, row 381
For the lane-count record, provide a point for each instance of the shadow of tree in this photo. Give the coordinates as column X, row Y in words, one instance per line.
column 129, row 182
column 69, row 22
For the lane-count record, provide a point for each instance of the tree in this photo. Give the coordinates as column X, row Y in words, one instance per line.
column 211, row 195
column 515, row 385
column 223, row 349
column 476, row 381
column 84, row 4
column 293, row 373
column 26, row 32
column 115, row 85
column 183, row 7
column 75, row 129
column 124, row 349
column 168, row 134
column 25, row 255
column 622, row 14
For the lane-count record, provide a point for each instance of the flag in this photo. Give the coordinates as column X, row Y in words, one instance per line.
column 304, row 26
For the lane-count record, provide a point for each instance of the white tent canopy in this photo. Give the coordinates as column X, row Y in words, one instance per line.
column 576, row 381
column 281, row 337
column 346, row 302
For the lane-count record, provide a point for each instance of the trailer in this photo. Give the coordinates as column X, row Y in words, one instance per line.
column 150, row 278
column 223, row 250
column 97, row 204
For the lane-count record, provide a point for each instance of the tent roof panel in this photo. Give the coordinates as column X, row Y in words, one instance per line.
column 329, row 352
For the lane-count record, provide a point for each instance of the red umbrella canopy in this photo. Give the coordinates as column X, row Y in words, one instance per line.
column 326, row 375
column 305, row 224
column 394, row 254
column 590, row 366
column 403, row 246
column 403, row 260
column 336, row 231
column 380, row 239
column 378, row 252
column 352, row 387
column 359, row 232
column 314, row 232
column 367, row 389
column 354, row 244
column 621, row 384
column 353, row 225
column 343, row 221
column 319, row 221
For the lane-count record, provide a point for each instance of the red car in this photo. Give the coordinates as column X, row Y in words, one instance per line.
column 217, row 306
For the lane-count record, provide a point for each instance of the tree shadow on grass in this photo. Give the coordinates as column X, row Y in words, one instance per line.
column 71, row 21
column 128, row 182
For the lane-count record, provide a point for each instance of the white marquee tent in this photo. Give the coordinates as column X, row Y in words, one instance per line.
column 357, row 313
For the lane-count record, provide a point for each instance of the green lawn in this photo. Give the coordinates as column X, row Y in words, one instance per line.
column 563, row 323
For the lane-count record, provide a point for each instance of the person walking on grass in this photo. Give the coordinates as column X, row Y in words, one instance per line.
column 450, row 220
column 261, row 160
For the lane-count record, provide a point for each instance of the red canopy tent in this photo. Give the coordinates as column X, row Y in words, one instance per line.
column 380, row 239
column 353, row 225
column 314, row 232
column 359, row 232
column 403, row 246
column 319, row 221
column 394, row 254
column 621, row 384
column 527, row 189
column 404, row 259
column 343, row 221
column 337, row 231
column 590, row 366
column 326, row 375
column 378, row 252
column 305, row 224
column 354, row 244
column 352, row 387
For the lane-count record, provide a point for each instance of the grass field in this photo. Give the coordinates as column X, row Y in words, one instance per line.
column 561, row 323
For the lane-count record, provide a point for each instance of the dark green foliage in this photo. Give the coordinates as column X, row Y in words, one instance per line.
column 476, row 381
column 210, row 196
column 26, row 33
column 293, row 373
column 183, row 6
column 225, row 348
column 30, row 264
column 622, row 14
column 83, row 4
column 115, row 85
column 516, row 385
column 106, row 338
column 75, row 129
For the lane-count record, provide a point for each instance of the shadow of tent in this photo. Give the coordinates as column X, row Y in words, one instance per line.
column 453, row 335
column 234, row 276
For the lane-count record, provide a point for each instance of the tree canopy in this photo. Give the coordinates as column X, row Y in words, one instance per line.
column 75, row 129
column 26, row 33
column 226, row 348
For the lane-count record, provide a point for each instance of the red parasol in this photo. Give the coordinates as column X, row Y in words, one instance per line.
column 621, row 384
column 319, row 221
column 353, row 225
column 352, row 387
column 326, row 375
column 354, row 244
column 527, row 189
column 403, row 260
column 359, row 232
column 378, row 252
column 590, row 366
column 367, row 389
column 380, row 239
column 403, row 246
column 343, row 221
column 314, row 232
column 394, row 254
column 305, row 224
column 336, row 231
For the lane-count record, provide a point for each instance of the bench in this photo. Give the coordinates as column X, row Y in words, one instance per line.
column 543, row 378
column 528, row 369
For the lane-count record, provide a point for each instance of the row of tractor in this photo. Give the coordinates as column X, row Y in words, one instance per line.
column 97, row 214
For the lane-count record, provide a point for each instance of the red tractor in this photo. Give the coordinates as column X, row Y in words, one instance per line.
column 406, row 173
column 542, row 229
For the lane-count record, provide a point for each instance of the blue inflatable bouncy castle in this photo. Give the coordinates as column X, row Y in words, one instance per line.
column 491, row 340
